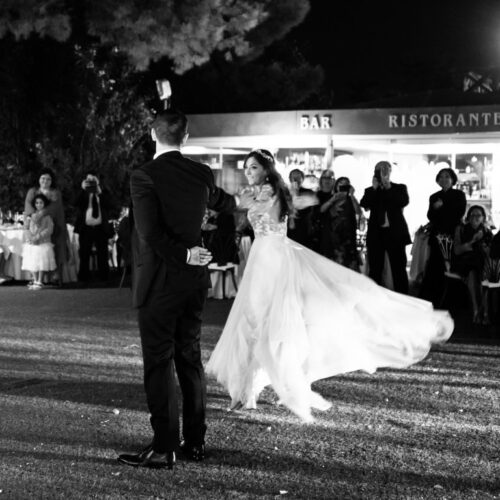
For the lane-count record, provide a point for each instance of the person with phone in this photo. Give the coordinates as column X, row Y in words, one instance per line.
column 387, row 228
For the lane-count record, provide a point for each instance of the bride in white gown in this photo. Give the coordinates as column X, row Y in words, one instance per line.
column 299, row 317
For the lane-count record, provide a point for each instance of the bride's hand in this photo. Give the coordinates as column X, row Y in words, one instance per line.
column 246, row 197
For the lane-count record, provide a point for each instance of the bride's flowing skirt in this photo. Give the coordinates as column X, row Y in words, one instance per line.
column 299, row 317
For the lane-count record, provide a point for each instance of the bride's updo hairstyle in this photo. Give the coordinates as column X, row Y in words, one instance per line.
column 274, row 179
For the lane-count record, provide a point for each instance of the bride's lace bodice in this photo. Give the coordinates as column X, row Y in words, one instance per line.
column 263, row 215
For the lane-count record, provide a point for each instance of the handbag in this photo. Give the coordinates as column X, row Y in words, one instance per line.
column 420, row 252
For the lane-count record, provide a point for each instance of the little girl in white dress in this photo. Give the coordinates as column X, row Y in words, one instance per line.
column 299, row 317
column 38, row 251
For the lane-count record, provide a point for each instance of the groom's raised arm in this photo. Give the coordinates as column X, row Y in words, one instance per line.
column 218, row 199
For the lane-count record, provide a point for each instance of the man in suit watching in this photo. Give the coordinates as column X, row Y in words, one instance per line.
column 387, row 228
column 169, row 286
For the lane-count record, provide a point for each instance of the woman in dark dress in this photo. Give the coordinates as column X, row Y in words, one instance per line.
column 327, row 208
column 345, row 224
column 446, row 209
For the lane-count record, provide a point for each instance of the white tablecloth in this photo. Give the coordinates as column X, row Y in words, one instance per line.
column 11, row 248
column 216, row 291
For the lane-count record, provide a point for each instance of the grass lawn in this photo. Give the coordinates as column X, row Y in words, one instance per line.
column 71, row 399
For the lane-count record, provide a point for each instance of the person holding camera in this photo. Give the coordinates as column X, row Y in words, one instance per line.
column 387, row 227
column 92, row 225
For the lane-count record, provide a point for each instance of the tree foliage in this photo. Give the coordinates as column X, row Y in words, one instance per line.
column 84, row 112
column 187, row 32
column 74, row 93
column 279, row 79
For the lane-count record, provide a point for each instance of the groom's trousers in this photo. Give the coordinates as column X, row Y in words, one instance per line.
column 170, row 327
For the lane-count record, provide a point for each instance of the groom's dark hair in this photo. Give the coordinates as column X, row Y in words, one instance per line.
column 170, row 126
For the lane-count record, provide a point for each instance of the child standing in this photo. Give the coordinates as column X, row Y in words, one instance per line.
column 38, row 251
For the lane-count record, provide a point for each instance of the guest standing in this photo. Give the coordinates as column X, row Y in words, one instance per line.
column 300, row 225
column 345, row 225
column 387, row 228
column 47, row 185
column 446, row 209
column 329, row 206
column 93, row 227
column 38, row 251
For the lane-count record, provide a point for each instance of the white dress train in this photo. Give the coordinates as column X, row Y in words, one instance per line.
column 299, row 317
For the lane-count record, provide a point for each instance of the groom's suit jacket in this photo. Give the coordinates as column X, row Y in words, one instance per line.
column 169, row 197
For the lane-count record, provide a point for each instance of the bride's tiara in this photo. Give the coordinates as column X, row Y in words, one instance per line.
column 265, row 155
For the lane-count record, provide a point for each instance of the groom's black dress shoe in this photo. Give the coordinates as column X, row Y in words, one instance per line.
column 193, row 452
column 149, row 458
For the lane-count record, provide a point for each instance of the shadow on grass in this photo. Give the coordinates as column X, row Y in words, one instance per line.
column 442, row 350
column 337, row 472
column 109, row 394
column 58, row 456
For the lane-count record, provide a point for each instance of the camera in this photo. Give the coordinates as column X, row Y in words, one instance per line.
column 378, row 175
column 91, row 186
column 344, row 188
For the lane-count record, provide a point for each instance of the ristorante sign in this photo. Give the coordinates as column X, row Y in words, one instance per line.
column 377, row 121
column 453, row 121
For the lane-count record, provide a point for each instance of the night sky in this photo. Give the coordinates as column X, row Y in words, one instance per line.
column 369, row 48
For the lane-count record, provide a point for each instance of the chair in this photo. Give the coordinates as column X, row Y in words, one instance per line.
column 224, row 270
column 491, row 289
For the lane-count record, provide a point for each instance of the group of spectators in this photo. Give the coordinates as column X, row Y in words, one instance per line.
column 332, row 224
column 466, row 248
column 48, row 241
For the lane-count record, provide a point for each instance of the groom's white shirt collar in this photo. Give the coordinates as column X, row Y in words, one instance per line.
column 166, row 149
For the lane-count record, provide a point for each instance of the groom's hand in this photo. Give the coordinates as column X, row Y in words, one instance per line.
column 199, row 256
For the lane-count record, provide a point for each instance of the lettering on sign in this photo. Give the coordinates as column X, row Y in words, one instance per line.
column 444, row 120
column 316, row 122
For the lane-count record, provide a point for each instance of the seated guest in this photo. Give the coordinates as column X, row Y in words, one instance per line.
column 446, row 209
column 472, row 240
column 219, row 236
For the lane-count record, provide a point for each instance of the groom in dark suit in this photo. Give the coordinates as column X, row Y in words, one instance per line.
column 387, row 228
column 170, row 280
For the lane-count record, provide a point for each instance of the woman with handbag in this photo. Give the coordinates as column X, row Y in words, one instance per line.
column 445, row 213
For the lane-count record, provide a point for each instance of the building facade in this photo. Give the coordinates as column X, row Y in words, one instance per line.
column 418, row 141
